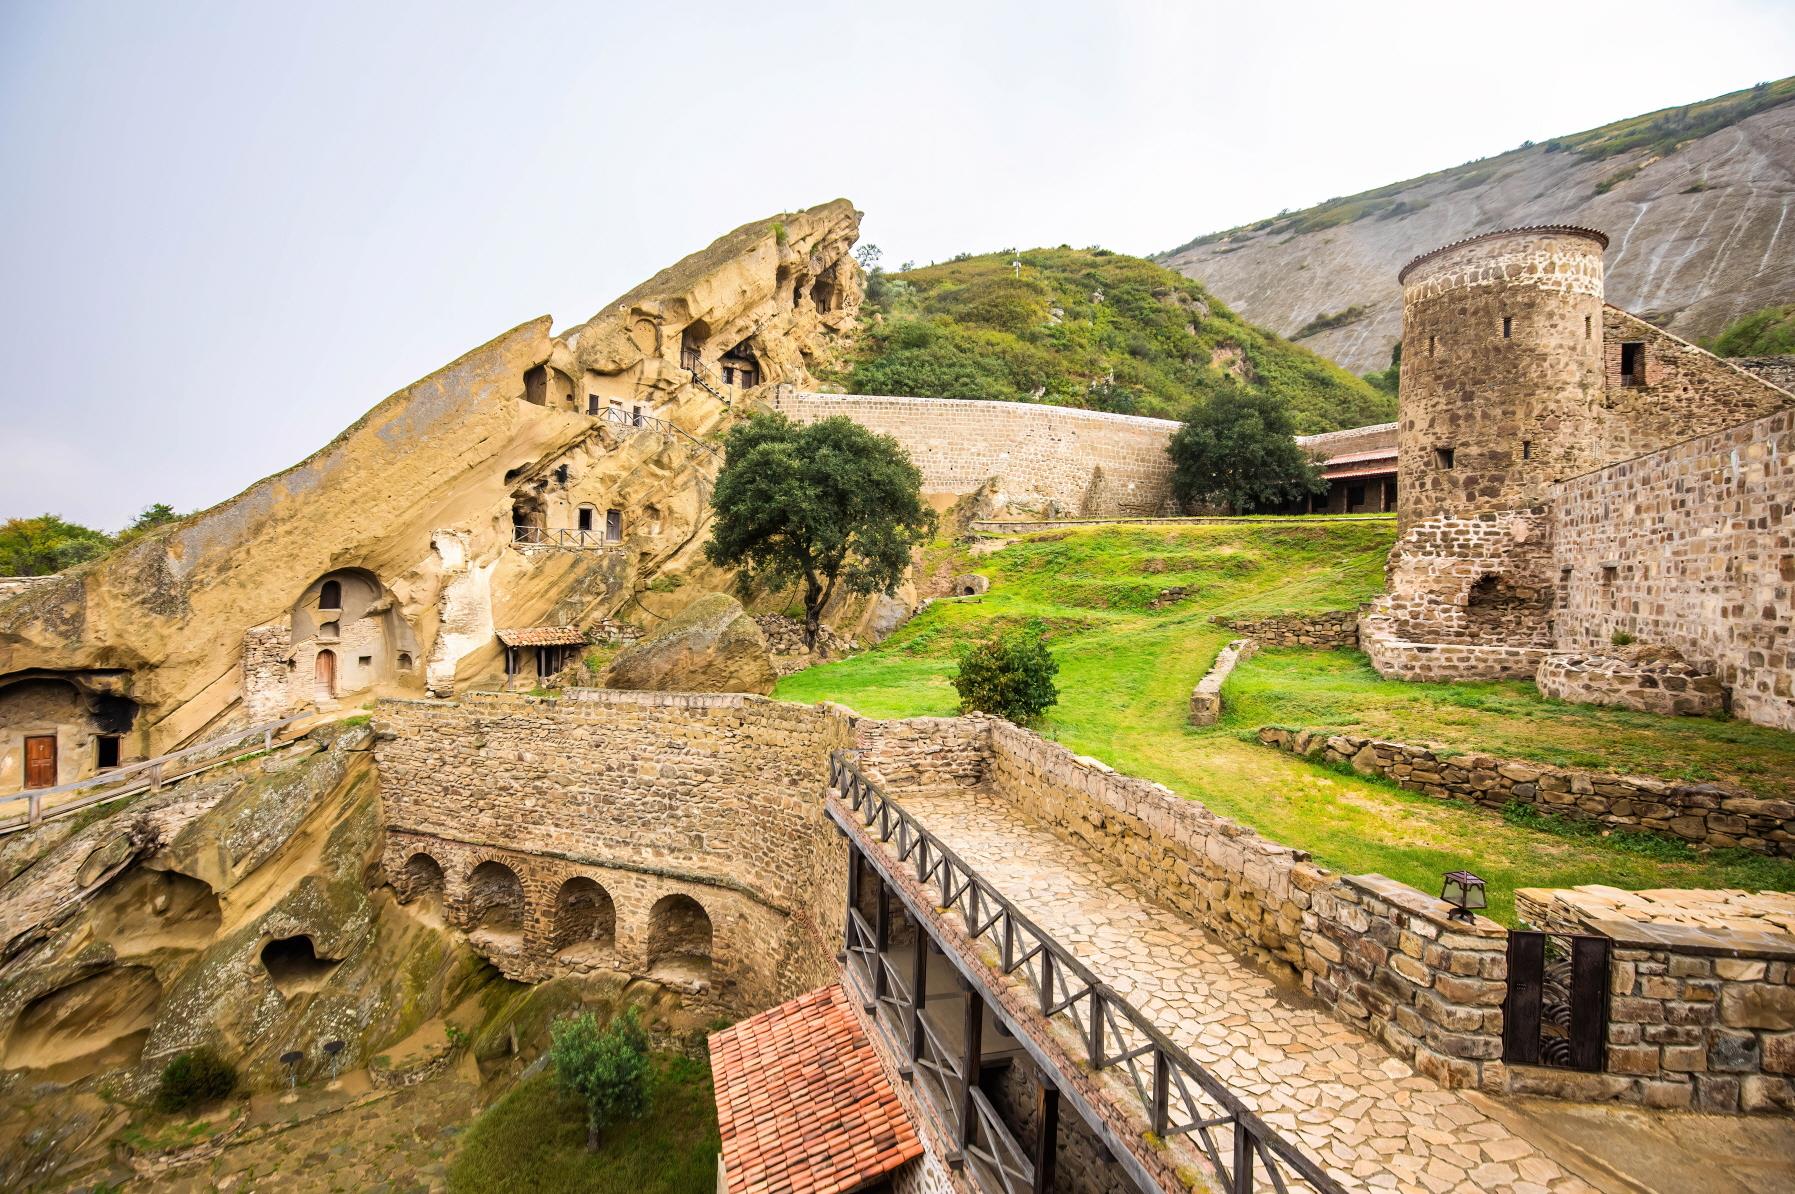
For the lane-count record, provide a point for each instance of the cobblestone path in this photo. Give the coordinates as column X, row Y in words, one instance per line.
column 1375, row 1122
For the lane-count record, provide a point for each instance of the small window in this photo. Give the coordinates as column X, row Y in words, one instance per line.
column 636, row 415
column 729, row 375
column 1508, row 327
column 586, row 513
column 1526, row 449
column 1632, row 363
column 365, row 660
column 106, row 751
column 331, row 595
column 404, row 661
column 1443, row 457
column 1432, row 343
column 1589, row 327
column 1610, row 573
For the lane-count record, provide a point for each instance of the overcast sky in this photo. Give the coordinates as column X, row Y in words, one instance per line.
column 228, row 229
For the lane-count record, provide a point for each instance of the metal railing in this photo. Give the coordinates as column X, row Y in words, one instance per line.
column 151, row 775
column 544, row 537
column 635, row 421
column 692, row 363
column 1176, row 1094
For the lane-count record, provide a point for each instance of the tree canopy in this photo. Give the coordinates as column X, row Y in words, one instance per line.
column 1237, row 450
column 826, row 506
column 606, row 1067
column 45, row 544
column 1766, row 333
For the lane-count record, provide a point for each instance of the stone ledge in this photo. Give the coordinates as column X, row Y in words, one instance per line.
column 1692, row 939
column 1206, row 698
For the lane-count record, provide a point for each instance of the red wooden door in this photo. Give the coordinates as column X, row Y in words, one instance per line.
column 40, row 762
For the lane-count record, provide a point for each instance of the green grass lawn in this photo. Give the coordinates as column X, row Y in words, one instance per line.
column 533, row 1141
column 1126, row 671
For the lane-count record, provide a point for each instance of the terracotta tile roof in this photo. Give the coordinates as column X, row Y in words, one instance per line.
column 803, row 1104
column 543, row 636
column 1374, row 469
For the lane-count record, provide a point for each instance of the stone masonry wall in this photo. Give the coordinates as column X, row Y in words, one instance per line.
column 1381, row 954
column 1702, row 813
column 1330, row 628
column 1206, row 697
column 716, row 797
column 1673, row 688
column 1779, row 371
column 1692, row 547
column 1086, row 462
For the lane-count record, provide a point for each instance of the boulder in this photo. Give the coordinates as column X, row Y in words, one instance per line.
column 714, row 646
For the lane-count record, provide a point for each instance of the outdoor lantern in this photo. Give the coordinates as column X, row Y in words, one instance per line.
column 1464, row 891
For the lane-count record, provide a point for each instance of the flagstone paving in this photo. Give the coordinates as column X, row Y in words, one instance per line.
column 1368, row 1116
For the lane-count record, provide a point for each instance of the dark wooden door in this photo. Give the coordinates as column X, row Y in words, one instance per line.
column 40, row 761
column 326, row 673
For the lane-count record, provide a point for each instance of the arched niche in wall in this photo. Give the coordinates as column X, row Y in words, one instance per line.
column 352, row 615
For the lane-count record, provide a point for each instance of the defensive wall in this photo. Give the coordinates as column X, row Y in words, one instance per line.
column 714, row 798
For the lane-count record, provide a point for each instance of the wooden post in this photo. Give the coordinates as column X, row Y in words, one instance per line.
column 919, row 992
column 881, row 938
column 1243, row 1159
column 847, row 926
column 1047, row 1120
column 156, row 776
column 969, row 1067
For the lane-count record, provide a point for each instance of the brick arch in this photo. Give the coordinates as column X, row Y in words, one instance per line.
column 680, row 938
column 493, row 897
column 422, row 876
column 585, row 915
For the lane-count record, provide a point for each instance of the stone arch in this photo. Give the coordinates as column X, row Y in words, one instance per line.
column 584, row 916
column 679, row 938
column 495, row 899
column 1501, row 607
column 422, row 876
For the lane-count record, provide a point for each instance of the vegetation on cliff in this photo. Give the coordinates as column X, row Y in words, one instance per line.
column 1128, row 610
column 1086, row 328
column 1766, row 333
column 45, row 544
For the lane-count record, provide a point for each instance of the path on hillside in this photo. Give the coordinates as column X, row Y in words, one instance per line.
column 1368, row 1116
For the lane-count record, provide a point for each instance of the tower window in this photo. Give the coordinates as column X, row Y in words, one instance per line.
column 1443, row 457
column 1508, row 327
column 1432, row 343
column 1588, row 327
column 1632, row 363
column 1526, row 449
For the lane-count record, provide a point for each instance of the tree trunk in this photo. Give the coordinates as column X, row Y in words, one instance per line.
column 591, row 1136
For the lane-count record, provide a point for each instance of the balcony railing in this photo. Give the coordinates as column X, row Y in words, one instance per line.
column 544, row 537
column 636, row 421
column 1175, row 1094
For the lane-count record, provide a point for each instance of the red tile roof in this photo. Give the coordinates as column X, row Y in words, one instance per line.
column 543, row 636
column 803, row 1104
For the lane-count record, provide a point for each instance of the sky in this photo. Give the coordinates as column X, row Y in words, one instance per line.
column 228, row 229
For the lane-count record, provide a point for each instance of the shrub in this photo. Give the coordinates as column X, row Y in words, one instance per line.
column 1621, row 638
column 607, row 1068
column 194, row 1079
column 1009, row 674
column 1766, row 333
column 1237, row 450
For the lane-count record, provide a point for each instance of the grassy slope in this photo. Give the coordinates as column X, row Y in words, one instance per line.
column 1659, row 133
column 533, row 1141
column 974, row 328
column 1126, row 674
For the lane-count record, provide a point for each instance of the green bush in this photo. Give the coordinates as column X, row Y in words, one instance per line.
column 194, row 1079
column 1766, row 333
column 1621, row 638
column 607, row 1068
column 1009, row 674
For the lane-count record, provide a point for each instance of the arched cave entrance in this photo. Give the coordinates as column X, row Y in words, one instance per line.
column 585, row 917
column 422, row 878
column 293, row 965
column 824, row 292
column 741, row 368
column 691, row 345
column 495, row 899
column 679, row 939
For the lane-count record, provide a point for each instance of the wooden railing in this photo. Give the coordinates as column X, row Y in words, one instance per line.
column 1176, row 1095
column 543, row 537
column 151, row 775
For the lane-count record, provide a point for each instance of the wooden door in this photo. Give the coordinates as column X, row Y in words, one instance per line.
column 40, row 761
column 325, row 671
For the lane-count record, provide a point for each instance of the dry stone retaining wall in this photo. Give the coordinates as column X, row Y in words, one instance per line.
column 1206, row 697
column 1669, row 687
column 1329, row 628
column 1702, row 813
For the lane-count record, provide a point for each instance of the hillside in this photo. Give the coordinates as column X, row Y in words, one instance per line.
column 1694, row 199
column 1085, row 328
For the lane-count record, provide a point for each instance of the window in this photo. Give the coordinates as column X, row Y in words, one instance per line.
column 106, row 751
column 1610, row 573
column 365, row 660
column 729, row 375
column 1588, row 327
column 1432, row 343
column 331, row 595
column 614, row 525
column 586, row 513
column 1632, row 363
column 327, row 630
column 1443, row 457
column 592, row 404
column 636, row 415
column 1508, row 327
column 404, row 661
column 1526, row 449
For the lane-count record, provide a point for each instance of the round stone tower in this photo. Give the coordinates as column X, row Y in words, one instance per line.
column 1501, row 370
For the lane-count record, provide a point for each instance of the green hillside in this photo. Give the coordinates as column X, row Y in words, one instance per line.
column 1086, row 328
column 1127, row 668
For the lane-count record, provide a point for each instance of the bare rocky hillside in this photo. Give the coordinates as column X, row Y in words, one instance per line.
column 1700, row 227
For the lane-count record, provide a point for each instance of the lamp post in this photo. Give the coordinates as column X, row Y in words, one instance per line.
column 1464, row 891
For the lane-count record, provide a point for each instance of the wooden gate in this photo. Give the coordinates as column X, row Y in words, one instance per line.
column 40, row 761
column 1556, row 1012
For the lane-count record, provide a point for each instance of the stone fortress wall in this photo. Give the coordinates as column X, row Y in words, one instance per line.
column 1084, row 462
column 1568, row 471
column 652, row 796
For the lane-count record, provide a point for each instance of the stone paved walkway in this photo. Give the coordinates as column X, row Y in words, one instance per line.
column 1375, row 1122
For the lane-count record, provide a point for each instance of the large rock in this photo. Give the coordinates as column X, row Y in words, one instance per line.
column 714, row 646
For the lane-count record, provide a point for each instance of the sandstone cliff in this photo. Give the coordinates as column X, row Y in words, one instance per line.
column 538, row 480
column 1699, row 228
